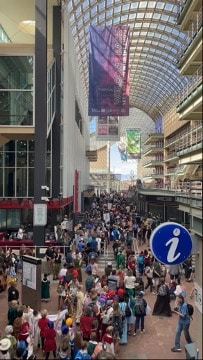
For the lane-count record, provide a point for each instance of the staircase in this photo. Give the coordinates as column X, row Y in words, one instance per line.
column 103, row 260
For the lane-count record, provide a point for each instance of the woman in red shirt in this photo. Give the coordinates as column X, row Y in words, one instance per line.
column 49, row 340
column 43, row 323
column 86, row 323
column 108, row 340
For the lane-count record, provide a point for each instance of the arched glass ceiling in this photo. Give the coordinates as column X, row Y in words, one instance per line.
column 155, row 42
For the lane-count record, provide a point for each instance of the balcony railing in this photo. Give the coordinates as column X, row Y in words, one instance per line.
column 196, row 25
column 196, row 81
column 190, row 139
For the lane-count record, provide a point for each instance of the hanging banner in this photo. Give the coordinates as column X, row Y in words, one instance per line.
column 108, row 128
column 133, row 143
column 108, row 71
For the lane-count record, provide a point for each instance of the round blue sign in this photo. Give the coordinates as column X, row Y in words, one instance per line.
column 171, row 243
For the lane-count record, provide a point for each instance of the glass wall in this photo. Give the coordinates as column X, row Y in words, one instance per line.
column 17, row 168
column 16, row 90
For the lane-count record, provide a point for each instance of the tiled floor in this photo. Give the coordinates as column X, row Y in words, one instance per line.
column 155, row 343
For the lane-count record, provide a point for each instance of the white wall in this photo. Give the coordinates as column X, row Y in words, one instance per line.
column 73, row 143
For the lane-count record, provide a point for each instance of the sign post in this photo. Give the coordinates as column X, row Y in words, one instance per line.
column 171, row 243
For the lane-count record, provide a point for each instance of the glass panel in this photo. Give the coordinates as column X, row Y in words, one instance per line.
column 31, row 159
column 21, row 145
column 31, row 145
column 21, row 159
column 2, row 219
column 13, row 219
column 1, row 159
column 31, row 182
column 1, row 183
column 9, row 159
column 16, row 72
column 21, row 182
column 16, row 107
column 10, row 146
column 10, row 182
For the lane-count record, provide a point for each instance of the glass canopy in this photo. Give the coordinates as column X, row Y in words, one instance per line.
column 155, row 43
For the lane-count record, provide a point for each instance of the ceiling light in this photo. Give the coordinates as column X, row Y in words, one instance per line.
column 27, row 26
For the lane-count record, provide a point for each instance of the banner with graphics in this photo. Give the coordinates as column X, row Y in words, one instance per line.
column 108, row 71
column 133, row 143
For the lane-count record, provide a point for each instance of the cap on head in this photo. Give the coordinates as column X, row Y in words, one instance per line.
column 5, row 344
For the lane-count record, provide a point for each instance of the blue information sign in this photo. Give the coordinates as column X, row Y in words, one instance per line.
column 171, row 243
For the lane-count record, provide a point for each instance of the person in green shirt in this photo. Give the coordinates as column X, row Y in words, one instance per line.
column 120, row 260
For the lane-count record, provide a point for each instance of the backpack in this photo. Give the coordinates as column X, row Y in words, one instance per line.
column 127, row 311
column 82, row 356
column 89, row 283
column 140, row 260
column 88, row 268
column 139, row 306
column 117, row 323
column 93, row 309
column 21, row 344
column 190, row 309
column 162, row 290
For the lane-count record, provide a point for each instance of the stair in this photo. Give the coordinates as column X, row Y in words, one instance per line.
column 104, row 259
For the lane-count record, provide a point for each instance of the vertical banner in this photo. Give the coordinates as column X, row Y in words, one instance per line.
column 108, row 71
column 133, row 143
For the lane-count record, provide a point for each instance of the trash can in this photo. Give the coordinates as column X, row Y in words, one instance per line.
column 191, row 351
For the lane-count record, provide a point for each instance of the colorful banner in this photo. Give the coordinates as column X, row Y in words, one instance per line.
column 108, row 71
column 133, row 143
column 108, row 128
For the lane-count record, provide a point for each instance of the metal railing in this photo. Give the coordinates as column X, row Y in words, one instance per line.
column 196, row 25
column 196, row 80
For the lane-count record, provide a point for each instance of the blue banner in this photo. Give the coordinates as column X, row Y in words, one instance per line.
column 108, row 71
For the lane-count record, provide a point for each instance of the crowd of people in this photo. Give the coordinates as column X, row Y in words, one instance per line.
column 97, row 312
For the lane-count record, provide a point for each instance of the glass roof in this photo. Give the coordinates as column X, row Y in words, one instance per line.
column 155, row 42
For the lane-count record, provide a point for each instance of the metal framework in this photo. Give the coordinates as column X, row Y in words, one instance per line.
column 155, row 42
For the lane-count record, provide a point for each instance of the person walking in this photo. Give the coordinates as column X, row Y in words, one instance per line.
column 183, row 324
column 45, row 288
column 139, row 312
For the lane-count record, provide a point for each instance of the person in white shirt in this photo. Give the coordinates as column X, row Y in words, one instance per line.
column 98, row 240
column 20, row 233
column 129, row 282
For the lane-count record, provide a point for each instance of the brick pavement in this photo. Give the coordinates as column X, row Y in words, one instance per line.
column 155, row 343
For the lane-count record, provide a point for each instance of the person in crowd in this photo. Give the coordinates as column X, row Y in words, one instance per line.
column 61, row 291
column 35, row 332
column 82, row 353
column 120, row 259
column 92, row 343
column 5, row 345
column 20, row 232
column 64, row 347
column 49, row 340
column 122, row 305
column 139, row 310
column 86, row 323
column 108, row 340
column 50, row 258
column 8, row 334
column 80, row 303
column 45, row 288
column 174, row 271
column 12, row 312
column 129, row 282
column 77, row 263
column 113, row 281
column 117, row 324
column 131, row 264
column 149, row 275
column 187, row 265
column 179, row 290
column 43, row 324
column 95, row 269
column 162, row 305
column 17, row 324
column 89, row 282
column 13, row 293
column 156, row 275
column 57, row 259
column 140, row 262
column 183, row 324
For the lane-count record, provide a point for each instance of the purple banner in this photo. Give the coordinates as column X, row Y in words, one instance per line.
column 108, row 71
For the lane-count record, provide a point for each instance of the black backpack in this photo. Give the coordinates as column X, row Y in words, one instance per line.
column 190, row 309
column 117, row 323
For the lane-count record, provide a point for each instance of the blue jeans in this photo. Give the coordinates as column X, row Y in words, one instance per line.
column 137, row 322
column 179, row 329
